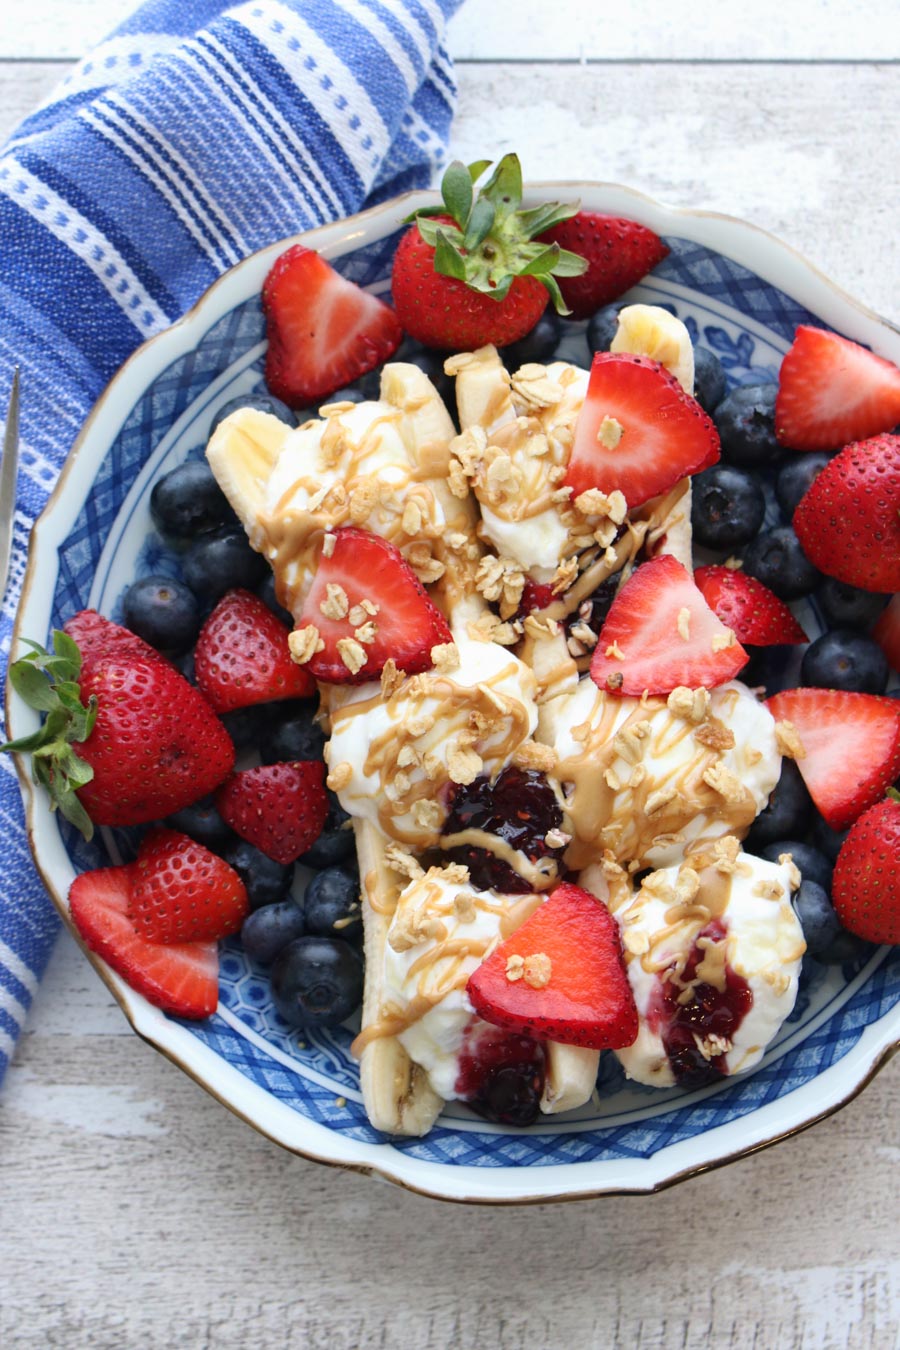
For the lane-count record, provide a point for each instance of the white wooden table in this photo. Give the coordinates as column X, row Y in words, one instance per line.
column 136, row 1212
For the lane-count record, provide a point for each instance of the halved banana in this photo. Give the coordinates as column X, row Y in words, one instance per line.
column 648, row 330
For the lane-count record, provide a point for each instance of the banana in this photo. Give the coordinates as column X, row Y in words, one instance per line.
column 650, row 331
column 242, row 454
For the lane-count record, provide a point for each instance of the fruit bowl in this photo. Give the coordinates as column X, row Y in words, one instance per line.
column 742, row 293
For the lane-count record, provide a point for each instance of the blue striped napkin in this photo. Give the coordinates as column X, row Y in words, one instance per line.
column 193, row 135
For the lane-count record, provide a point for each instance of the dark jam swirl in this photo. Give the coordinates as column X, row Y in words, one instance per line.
column 708, row 1012
column 501, row 1074
column 519, row 807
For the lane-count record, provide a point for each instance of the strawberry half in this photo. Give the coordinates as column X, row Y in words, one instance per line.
column 831, row 391
column 367, row 605
column 887, row 633
column 638, row 431
column 242, row 656
column 181, row 978
column 180, row 892
column 324, row 332
column 661, row 633
column 851, row 746
column 848, row 520
column 560, row 977
column 619, row 253
column 749, row 608
column 279, row 808
column 865, row 886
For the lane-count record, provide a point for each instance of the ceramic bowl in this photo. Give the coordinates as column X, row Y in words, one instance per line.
column 741, row 293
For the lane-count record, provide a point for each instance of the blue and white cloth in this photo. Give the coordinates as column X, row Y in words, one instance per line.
column 195, row 134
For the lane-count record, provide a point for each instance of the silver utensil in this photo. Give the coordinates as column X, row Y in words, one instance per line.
column 9, row 470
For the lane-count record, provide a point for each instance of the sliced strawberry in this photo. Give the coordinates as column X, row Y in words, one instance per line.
column 851, row 745
column 367, row 605
column 180, row 892
column 182, row 978
column 866, row 882
column 324, row 332
column 619, row 253
column 560, row 977
column 749, row 608
column 638, row 431
column 887, row 633
column 535, row 597
column 661, row 633
column 242, row 656
column 848, row 520
column 831, row 391
column 279, row 808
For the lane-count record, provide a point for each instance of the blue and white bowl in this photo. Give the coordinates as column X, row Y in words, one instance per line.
column 741, row 293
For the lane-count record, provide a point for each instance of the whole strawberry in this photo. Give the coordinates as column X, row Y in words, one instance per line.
column 866, row 881
column 472, row 272
column 618, row 251
column 242, row 656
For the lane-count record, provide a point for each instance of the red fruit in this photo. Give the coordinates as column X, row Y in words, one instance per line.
column 661, row 633
column 848, row 520
column 180, row 892
column 242, row 656
column 366, row 570
column 749, row 608
column 887, row 632
column 587, row 999
column 99, row 638
column 618, row 251
column 279, row 808
column 156, row 747
column 638, row 431
column 865, row 887
column 182, row 978
column 535, row 597
column 831, row 391
column 851, row 746
column 324, row 332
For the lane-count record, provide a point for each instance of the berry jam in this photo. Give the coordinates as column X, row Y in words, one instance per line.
column 594, row 609
column 519, row 807
column 710, row 1012
column 501, row 1074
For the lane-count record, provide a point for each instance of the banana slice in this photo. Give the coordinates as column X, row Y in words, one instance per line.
column 650, row 331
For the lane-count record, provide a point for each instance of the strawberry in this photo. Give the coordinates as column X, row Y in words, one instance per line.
column 831, row 391
column 661, row 633
column 182, row 978
column 638, row 431
column 618, row 251
column 851, row 747
column 560, row 976
column 367, row 605
column 279, row 808
column 324, row 332
column 848, row 520
column 242, row 656
column 98, row 638
column 865, row 886
column 535, row 597
column 749, row 608
column 471, row 271
column 180, row 892
column 887, row 632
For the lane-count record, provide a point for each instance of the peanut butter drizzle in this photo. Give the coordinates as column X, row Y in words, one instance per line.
column 671, row 945
column 540, row 875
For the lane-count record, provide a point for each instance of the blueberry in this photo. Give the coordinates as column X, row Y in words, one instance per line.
column 727, row 507
column 266, row 881
column 295, row 735
column 317, row 981
column 788, row 812
column 202, row 822
column 187, row 502
column 267, row 931
column 820, row 924
column 336, row 842
column 247, row 727
column 843, row 659
column 163, row 612
column 602, row 328
column 266, row 592
column 845, row 606
column 827, row 840
column 432, row 365
column 774, row 668
column 776, row 559
column 795, row 477
column 812, row 862
column 331, row 904
column 710, row 384
column 538, row 345
column 746, row 424
column 350, row 393
column 261, row 402
column 220, row 561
